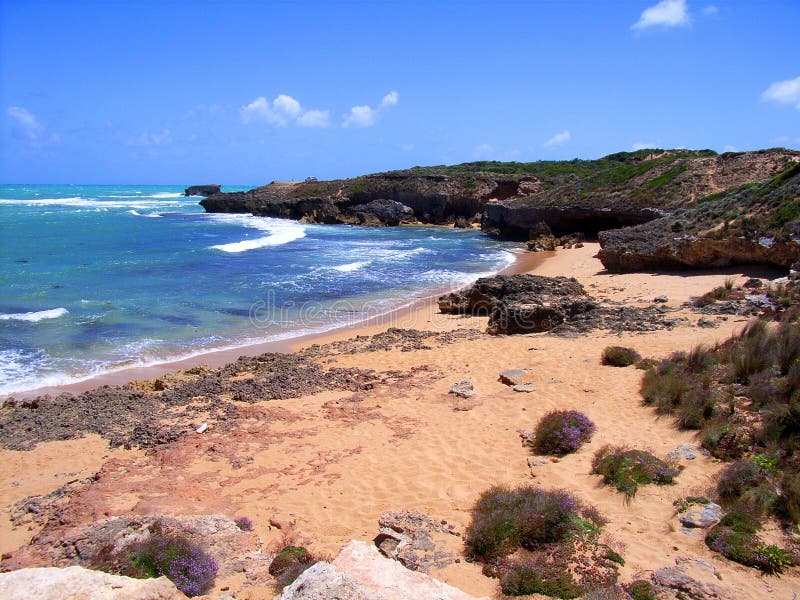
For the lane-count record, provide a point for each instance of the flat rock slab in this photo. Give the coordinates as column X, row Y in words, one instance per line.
column 524, row 387
column 517, row 376
column 462, row 389
column 77, row 583
column 687, row 451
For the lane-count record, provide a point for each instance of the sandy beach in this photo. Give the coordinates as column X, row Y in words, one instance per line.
column 322, row 468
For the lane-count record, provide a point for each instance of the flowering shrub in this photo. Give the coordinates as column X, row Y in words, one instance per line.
column 185, row 563
column 735, row 538
column 627, row 469
column 505, row 519
column 562, row 431
column 244, row 523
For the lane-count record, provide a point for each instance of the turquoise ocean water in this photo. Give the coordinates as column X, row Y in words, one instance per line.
column 98, row 278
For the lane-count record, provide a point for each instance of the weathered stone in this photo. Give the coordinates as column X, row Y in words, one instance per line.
column 77, row 583
column 462, row 389
column 528, row 436
column 417, row 541
column 702, row 517
column 517, row 376
column 524, row 387
column 323, row 582
column 691, row 578
column 687, row 451
column 660, row 299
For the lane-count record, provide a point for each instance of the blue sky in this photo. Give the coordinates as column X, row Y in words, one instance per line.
column 247, row 92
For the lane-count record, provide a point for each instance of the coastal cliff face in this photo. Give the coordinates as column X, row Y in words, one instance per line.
column 616, row 198
column 751, row 224
column 623, row 189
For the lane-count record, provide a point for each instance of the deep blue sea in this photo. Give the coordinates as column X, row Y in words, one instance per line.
column 98, row 278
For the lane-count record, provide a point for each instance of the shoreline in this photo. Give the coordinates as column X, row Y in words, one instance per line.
column 406, row 316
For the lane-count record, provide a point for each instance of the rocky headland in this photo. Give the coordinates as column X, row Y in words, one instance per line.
column 650, row 208
column 208, row 189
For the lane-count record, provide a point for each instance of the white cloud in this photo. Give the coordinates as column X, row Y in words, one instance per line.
column 29, row 128
column 558, row 139
column 283, row 110
column 365, row 116
column 784, row 92
column 286, row 107
column 667, row 13
column 730, row 148
column 360, row 116
column 315, row 118
column 390, row 99
column 710, row 10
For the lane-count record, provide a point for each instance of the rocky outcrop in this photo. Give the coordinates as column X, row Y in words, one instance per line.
column 520, row 303
column 692, row 578
column 382, row 212
column 757, row 224
column 627, row 189
column 619, row 190
column 416, row 541
column 361, row 573
column 77, row 583
column 208, row 189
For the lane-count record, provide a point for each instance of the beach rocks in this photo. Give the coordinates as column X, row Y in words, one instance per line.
column 417, row 541
column 692, row 578
column 462, row 389
column 516, row 376
column 207, row 189
column 520, row 303
column 77, row 583
column 702, row 517
column 361, row 573
column 687, row 451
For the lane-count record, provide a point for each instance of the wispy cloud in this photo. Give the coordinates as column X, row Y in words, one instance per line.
column 710, row 10
column 366, row 116
column 28, row 128
column 282, row 111
column 558, row 139
column 645, row 145
column 784, row 92
column 155, row 138
column 667, row 13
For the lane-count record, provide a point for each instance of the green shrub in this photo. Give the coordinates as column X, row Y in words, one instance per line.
column 524, row 577
column 505, row 519
column 289, row 563
column 620, row 356
column 641, row 589
column 626, row 469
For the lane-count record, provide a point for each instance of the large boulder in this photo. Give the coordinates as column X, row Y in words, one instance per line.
column 361, row 573
column 382, row 212
column 520, row 303
column 77, row 583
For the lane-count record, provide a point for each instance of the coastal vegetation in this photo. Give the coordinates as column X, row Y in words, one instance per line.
column 627, row 468
column 562, row 432
column 539, row 541
column 620, row 356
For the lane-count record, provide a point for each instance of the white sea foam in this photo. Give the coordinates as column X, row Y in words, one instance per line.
column 350, row 267
column 281, row 231
column 134, row 202
column 33, row 317
column 136, row 213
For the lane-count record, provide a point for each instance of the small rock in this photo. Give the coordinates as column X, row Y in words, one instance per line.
column 202, row 428
column 524, row 387
column 527, row 435
column 660, row 299
column 704, row 517
column 517, row 376
column 705, row 323
column 686, row 451
column 463, row 389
